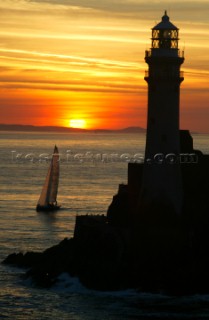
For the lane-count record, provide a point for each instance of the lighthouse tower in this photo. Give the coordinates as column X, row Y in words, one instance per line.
column 161, row 185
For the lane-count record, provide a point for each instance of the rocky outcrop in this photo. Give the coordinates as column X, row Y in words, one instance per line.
column 162, row 256
column 44, row 267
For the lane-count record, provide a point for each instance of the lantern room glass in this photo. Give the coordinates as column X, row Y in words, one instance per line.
column 165, row 38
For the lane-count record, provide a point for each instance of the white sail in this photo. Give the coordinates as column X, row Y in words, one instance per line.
column 50, row 188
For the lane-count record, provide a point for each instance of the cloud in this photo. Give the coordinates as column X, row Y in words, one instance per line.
column 186, row 11
column 137, row 8
column 42, row 57
column 72, row 88
column 31, row 80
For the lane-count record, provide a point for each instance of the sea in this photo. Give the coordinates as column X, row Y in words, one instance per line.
column 92, row 165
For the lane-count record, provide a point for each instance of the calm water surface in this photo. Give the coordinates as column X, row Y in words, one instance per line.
column 92, row 166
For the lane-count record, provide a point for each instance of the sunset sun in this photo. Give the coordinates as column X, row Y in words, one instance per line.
column 77, row 123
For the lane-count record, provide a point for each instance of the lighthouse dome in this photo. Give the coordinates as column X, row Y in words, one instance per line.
column 165, row 24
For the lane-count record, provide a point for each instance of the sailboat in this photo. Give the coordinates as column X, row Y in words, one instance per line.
column 48, row 197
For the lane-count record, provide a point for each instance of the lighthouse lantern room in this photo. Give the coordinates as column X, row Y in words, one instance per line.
column 165, row 34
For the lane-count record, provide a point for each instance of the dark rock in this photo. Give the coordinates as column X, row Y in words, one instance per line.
column 23, row 260
column 44, row 267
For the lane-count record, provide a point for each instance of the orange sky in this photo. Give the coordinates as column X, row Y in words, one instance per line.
column 63, row 59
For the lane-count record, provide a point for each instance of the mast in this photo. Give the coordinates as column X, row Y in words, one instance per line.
column 54, row 177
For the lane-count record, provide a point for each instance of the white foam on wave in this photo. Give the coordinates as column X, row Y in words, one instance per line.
column 69, row 284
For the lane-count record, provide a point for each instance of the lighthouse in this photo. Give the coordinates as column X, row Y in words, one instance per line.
column 161, row 183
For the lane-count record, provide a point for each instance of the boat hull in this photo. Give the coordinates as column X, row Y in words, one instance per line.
column 47, row 208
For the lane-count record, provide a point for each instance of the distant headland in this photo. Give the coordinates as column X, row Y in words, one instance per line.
column 31, row 128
